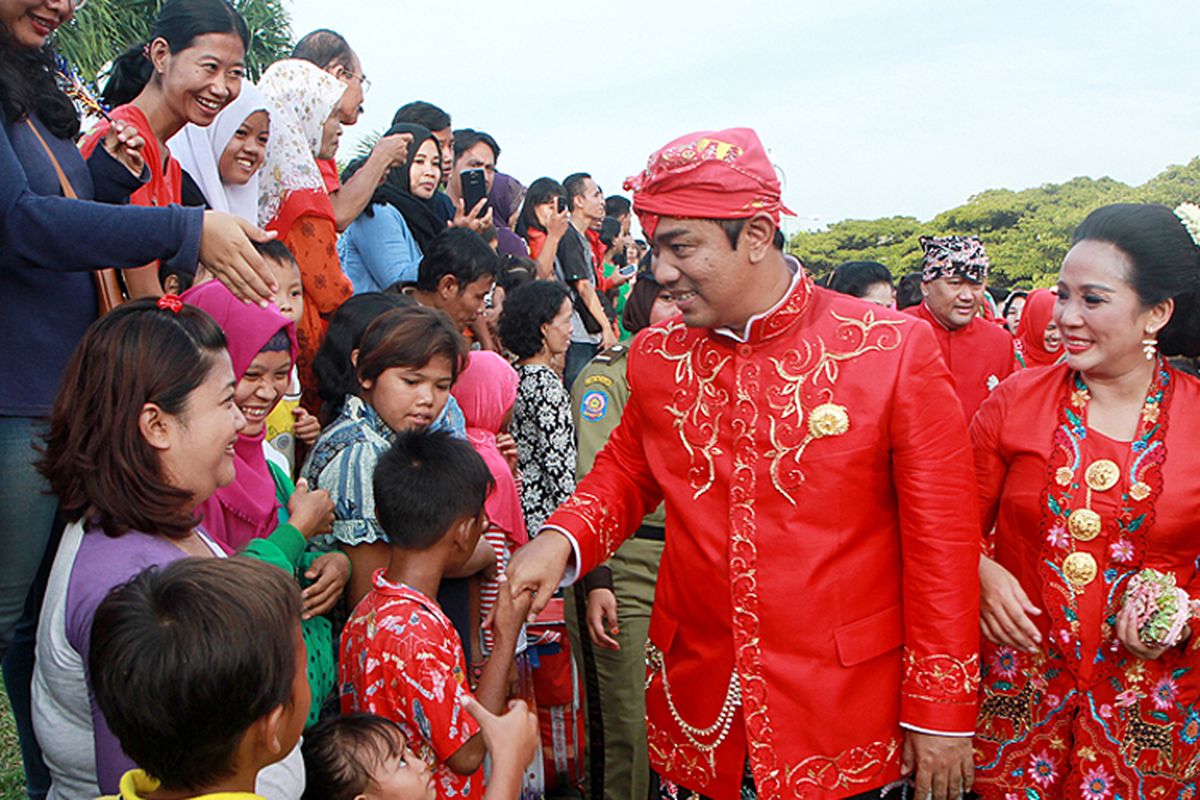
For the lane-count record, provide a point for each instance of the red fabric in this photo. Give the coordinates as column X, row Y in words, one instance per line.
column 603, row 284
column 838, row 574
column 536, row 240
column 1119, row 716
column 329, row 173
column 558, row 687
column 979, row 356
column 1031, row 331
column 707, row 175
column 166, row 182
column 402, row 659
column 314, row 203
column 313, row 241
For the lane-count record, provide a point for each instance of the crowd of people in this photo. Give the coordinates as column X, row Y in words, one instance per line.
column 406, row 480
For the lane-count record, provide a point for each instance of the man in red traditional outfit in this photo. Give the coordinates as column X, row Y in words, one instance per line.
column 815, row 625
column 978, row 352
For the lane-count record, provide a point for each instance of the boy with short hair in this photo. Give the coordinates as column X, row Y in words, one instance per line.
column 199, row 668
column 401, row 657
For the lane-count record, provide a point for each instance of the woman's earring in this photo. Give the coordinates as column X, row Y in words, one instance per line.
column 1150, row 346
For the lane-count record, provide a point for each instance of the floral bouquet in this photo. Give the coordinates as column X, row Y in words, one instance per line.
column 1161, row 609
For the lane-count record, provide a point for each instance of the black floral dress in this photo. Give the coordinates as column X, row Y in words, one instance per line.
column 545, row 436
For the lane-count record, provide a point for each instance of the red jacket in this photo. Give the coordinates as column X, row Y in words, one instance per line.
column 979, row 356
column 822, row 544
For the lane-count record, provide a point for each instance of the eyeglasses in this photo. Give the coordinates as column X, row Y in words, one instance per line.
column 362, row 79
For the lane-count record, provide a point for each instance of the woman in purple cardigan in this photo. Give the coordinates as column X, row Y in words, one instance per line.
column 48, row 246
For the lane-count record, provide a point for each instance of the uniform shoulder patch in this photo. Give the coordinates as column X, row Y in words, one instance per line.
column 594, row 405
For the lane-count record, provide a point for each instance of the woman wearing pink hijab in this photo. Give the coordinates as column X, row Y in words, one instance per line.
column 1038, row 341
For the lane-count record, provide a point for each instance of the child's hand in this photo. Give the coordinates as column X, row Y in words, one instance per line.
column 307, row 427
column 602, row 618
column 512, row 738
column 310, row 511
column 509, row 613
column 329, row 574
column 507, row 446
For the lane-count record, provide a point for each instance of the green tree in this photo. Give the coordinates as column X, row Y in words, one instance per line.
column 105, row 28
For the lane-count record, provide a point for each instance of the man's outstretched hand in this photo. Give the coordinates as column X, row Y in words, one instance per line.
column 538, row 567
column 942, row 766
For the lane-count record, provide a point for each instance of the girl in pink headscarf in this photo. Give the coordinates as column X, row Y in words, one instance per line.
column 486, row 391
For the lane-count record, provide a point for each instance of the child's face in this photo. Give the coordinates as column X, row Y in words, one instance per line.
column 290, row 297
column 410, row 398
column 246, row 151
column 262, row 384
column 403, row 777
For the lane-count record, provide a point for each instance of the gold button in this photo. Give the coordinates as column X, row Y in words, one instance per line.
column 1139, row 491
column 1063, row 476
column 1084, row 524
column 1102, row 475
column 1080, row 569
column 828, row 419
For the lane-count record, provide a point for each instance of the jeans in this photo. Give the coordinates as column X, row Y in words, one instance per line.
column 578, row 356
column 26, row 521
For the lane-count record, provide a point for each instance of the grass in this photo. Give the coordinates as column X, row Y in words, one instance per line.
column 12, row 776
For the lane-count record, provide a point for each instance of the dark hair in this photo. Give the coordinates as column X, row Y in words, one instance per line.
column 332, row 366
column 617, row 206
column 908, row 290
column 340, row 752
column 184, row 658
column 28, row 88
column 275, row 250
column 179, row 22
column 466, row 138
column 94, row 455
column 459, row 252
column 573, row 186
column 418, row 112
column 543, row 190
column 410, row 337
column 424, row 484
column 526, row 310
column 855, row 278
column 515, row 271
column 1164, row 260
column 641, row 300
column 325, row 48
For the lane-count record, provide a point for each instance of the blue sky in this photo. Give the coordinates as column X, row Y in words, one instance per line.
column 868, row 108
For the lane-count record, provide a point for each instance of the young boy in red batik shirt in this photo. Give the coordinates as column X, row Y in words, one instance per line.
column 401, row 657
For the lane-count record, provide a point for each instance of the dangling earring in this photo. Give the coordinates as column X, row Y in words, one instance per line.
column 1150, row 346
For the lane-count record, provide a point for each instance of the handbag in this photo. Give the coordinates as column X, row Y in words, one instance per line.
column 109, row 291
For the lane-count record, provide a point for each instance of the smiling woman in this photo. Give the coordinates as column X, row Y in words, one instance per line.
column 188, row 71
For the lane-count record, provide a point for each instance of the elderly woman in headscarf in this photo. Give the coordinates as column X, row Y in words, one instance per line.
column 385, row 244
column 293, row 201
column 224, row 158
column 1038, row 343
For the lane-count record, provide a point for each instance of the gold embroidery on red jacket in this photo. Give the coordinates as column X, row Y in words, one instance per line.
column 598, row 517
column 941, row 678
column 858, row 765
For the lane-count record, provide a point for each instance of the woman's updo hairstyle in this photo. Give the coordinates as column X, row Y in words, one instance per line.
column 179, row 23
column 1165, row 264
column 95, row 457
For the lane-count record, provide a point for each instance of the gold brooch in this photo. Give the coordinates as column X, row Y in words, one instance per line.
column 1084, row 524
column 1139, row 491
column 1063, row 476
column 1102, row 475
column 828, row 419
column 1080, row 569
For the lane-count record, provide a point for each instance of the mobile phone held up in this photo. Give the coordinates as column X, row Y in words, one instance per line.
column 560, row 204
column 474, row 189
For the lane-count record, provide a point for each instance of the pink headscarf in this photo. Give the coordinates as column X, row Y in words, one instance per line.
column 485, row 391
column 245, row 509
column 1031, row 330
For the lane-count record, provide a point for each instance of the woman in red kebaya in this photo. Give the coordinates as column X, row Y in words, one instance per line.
column 1089, row 475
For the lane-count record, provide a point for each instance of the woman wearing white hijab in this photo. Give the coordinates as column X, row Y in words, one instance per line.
column 224, row 158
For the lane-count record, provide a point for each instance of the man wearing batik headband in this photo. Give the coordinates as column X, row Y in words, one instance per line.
column 815, row 631
column 978, row 353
